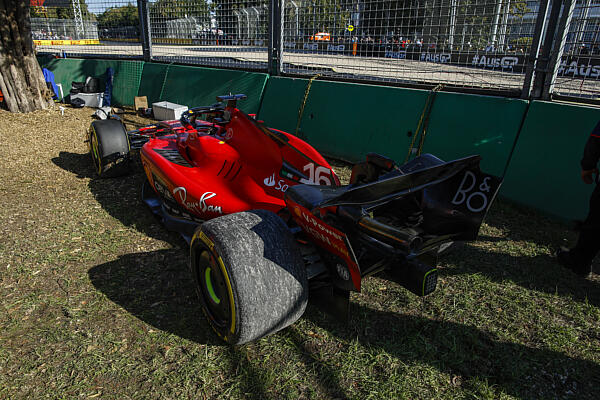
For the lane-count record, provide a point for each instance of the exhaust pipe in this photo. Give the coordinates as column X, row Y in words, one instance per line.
column 407, row 239
column 404, row 238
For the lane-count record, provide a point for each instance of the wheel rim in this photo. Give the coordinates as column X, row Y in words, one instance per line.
column 213, row 289
column 209, row 286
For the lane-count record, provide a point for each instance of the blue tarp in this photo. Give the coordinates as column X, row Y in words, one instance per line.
column 49, row 78
column 108, row 88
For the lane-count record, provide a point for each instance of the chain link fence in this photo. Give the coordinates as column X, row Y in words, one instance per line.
column 489, row 45
column 578, row 71
column 75, row 28
column 221, row 33
column 464, row 43
column 61, row 29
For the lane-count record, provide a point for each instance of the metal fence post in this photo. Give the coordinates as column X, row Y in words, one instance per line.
column 144, row 14
column 558, row 49
column 543, row 61
column 275, row 48
column 540, row 26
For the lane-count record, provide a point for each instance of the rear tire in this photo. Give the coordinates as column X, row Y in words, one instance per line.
column 109, row 148
column 249, row 275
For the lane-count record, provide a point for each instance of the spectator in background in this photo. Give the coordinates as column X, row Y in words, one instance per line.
column 579, row 258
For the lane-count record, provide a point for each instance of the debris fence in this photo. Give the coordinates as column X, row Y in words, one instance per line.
column 530, row 49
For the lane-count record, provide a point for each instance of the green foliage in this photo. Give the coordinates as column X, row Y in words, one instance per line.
column 61, row 12
column 523, row 41
column 480, row 18
column 519, row 9
column 174, row 9
column 396, row 13
column 119, row 16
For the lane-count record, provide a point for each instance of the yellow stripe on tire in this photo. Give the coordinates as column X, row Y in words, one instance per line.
column 209, row 244
column 95, row 150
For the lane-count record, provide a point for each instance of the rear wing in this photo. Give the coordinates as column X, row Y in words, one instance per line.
column 455, row 198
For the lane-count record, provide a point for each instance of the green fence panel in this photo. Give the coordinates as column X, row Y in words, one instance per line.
column 126, row 79
column 347, row 121
column 544, row 171
column 197, row 86
column 43, row 60
column 152, row 81
column 461, row 125
column 281, row 102
column 65, row 72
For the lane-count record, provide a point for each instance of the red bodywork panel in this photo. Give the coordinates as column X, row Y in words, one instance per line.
column 213, row 170
column 327, row 237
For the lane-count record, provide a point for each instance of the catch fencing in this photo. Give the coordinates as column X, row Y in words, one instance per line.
column 531, row 49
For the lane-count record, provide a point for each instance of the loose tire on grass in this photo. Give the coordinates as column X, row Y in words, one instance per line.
column 109, row 147
column 249, row 275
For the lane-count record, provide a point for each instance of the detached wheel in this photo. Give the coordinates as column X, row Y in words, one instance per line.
column 109, row 147
column 249, row 275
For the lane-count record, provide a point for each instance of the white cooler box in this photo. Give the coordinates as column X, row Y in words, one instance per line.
column 166, row 111
column 90, row 99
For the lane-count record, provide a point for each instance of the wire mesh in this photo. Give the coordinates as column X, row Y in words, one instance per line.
column 482, row 44
column 88, row 28
column 62, row 29
column 220, row 33
column 579, row 70
column 464, row 43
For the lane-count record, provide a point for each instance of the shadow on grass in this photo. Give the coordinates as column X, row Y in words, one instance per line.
column 120, row 197
column 539, row 272
column 523, row 230
column 252, row 383
column 327, row 377
column 156, row 287
column 464, row 352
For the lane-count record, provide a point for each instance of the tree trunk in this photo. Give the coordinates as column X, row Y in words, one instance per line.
column 21, row 80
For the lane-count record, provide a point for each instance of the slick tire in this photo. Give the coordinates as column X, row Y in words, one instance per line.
column 249, row 275
column 109, row 148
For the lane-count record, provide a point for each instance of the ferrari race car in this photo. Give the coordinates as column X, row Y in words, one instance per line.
column 269, row 223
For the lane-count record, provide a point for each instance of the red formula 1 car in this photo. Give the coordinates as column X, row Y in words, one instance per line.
column 278, row 223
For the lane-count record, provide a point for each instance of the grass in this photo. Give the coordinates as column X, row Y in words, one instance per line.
column 97, row 302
